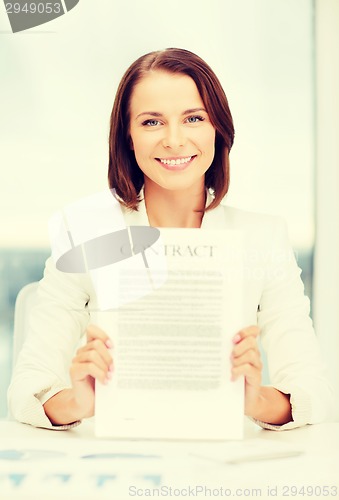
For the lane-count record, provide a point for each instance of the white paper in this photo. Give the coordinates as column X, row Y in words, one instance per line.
column 172, row 346
column 250, row 450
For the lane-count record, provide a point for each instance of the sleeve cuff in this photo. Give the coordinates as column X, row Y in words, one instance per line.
column 31, row 411
column 301, row 410
column 44, row 396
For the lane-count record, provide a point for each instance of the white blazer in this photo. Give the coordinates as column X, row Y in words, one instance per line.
column 273, row 299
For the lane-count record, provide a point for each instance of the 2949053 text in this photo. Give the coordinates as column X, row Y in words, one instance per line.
column 33, row 7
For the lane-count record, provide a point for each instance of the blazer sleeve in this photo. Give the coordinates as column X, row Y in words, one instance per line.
column 56, row 325
column 295, row 364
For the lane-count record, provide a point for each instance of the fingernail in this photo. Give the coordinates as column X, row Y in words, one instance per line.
column 108, row 344
column 236, row 338
column 111, row 367
column 109, row 375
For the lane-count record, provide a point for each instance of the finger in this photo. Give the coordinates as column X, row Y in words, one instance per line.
column 94, row 332
column 247, row 344
column 93, row 356
column 251, row 373
column 249, row 331
column 98, row 346
column 79, row 371
column 251, row 357
column 94, row 350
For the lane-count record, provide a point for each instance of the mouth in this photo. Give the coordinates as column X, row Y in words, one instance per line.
column 176, row 163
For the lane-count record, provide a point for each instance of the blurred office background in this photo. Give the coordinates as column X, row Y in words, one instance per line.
column 277, row 62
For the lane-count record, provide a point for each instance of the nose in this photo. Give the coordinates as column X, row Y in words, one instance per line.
column 174, row 137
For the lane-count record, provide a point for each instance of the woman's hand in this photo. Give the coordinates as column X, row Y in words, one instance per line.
column 246, row 361
column 92, row 361
column 266, row 404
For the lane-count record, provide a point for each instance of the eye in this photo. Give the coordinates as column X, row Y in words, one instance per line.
column 195, row 119
column 151, row 123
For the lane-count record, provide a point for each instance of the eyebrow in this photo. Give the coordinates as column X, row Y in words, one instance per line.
column 157, row 115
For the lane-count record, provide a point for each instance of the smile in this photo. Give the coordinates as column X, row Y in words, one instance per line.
column 176, row 163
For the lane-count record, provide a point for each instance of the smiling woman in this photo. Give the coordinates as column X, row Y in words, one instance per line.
column 171, row 134
column 171, row 109
column 175, row 150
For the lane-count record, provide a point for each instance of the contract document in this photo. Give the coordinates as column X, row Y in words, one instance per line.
column 172, row 336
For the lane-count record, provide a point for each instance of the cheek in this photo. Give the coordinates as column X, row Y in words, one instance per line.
column 141, row 145
column 208, row 141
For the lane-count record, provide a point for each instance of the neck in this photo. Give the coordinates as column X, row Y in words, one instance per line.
column 166, row 208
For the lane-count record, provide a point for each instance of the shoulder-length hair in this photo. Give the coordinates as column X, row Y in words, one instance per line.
column 124, row 174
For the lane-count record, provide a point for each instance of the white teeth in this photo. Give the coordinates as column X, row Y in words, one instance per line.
column 179, row 161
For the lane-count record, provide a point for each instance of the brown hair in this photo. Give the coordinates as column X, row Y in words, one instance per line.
column 124, row 174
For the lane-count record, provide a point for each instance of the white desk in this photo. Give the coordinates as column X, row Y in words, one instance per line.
column 117, row 478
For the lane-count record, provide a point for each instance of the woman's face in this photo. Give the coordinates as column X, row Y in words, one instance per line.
column 171, row 133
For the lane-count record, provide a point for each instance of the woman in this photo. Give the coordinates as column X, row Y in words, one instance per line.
column 170, row 138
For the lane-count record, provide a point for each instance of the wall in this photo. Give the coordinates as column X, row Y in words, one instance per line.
column 326, row 296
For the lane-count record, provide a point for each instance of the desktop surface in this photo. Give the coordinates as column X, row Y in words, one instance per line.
column 39, row 463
